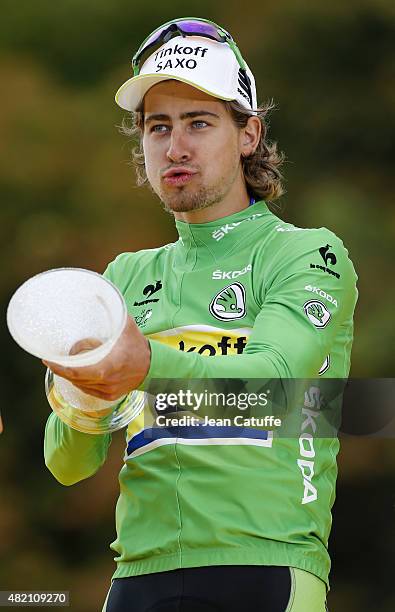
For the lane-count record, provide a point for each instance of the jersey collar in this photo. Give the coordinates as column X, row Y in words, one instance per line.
column 224, row 231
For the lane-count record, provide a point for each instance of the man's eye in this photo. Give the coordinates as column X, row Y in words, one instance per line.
column 159, row 129
column 200, row 124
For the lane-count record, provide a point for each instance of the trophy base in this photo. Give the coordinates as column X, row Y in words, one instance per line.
column 103, row 420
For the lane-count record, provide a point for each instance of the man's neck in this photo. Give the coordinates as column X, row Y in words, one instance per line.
column 231, row 203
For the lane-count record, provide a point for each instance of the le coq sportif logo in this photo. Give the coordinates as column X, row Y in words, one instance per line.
column 327, row 256
column 149, row 291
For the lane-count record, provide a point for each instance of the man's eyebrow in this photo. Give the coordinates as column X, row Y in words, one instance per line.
column 189, row 115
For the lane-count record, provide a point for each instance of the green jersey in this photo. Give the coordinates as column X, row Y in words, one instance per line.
column 246, row 296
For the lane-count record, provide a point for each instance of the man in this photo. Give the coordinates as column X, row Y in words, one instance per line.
column 207, row 519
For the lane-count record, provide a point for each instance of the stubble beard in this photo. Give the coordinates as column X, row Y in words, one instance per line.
column 186, row 201
column 186, row 198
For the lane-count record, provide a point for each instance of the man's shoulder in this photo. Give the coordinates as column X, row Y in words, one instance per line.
column 125, row 263
column 133, row 257
column 316, row 255
column 286, row 231
column 292, row 240
column 286, row 248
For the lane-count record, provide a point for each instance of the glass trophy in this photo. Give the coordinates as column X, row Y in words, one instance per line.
column 73, row 317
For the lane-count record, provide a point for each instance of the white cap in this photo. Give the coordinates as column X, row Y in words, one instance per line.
column 206, row 64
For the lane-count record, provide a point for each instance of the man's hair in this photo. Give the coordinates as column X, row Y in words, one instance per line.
column 261, row 169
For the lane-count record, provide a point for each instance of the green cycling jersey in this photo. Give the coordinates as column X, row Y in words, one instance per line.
column 247, row 296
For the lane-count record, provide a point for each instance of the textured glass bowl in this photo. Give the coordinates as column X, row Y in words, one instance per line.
column 90, row 414
column 53, row 311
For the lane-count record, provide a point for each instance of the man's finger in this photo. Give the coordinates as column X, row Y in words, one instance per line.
column 61, row 370
column 98, row 393
column 84, row 345
column 88, row 374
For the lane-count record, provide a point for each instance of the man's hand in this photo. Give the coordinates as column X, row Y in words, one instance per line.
column 123, row 370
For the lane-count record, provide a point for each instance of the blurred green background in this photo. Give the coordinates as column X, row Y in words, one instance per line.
column 68, row 199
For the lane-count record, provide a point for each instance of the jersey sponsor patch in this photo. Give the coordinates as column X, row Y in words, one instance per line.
column 143, row 436
column 317, row 313
column 220, row 233
column 327, row 255
column 229, row 303
column 205, row 339
column 324, row 269
column 306, row 462
column 221, row 274
column 149, row 291
column 322, row 294
column 142, row 318
column 329, row 258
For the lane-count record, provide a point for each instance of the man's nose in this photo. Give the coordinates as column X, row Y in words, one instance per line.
column 178, row 150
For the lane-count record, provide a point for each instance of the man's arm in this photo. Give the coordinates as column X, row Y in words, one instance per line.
column 71, row 455
column 304, row 305
column 292, row 334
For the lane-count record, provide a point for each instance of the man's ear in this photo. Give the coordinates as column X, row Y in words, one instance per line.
column 250, row 136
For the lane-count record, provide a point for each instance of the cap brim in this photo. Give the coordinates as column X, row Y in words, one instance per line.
column 130, row 95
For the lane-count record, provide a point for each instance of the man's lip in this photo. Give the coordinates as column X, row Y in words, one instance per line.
column 177, row 171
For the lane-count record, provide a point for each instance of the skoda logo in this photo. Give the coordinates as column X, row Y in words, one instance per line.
column 229, row 303
column 317, row 312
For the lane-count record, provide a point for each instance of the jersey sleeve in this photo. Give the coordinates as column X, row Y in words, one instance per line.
column 307, row 296
column 71, row 455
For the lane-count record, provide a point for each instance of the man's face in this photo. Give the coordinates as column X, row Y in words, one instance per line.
column 192, row 148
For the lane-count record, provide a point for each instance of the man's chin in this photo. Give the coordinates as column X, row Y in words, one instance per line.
column 187, row 202
column 183, row 206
